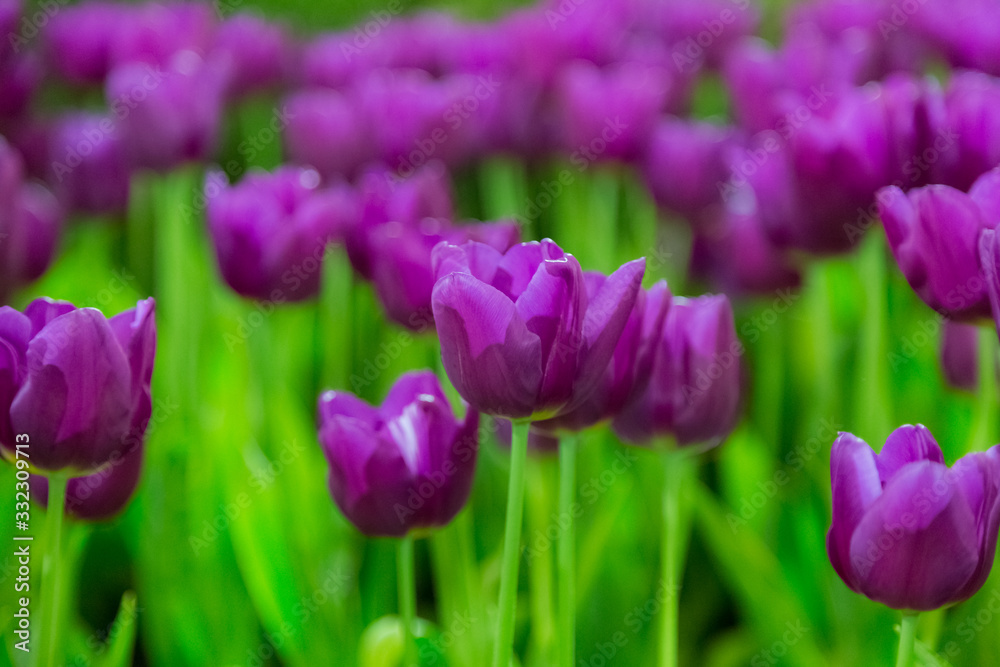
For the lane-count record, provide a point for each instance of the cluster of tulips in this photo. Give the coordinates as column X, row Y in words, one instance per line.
column 837, row 127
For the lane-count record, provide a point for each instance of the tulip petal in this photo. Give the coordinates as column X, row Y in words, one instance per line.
column 15, row 330
column 488, row 352
column 916, row 544
column 333, row 404
column 409, row 388
column 517, row 268
column 135, row 331
column 905, row 445
column 986, row 193
column 989, row 260
column 607, row 314
column 856, row 485
column 977, row 478
column 479, row 259
column 44, row 310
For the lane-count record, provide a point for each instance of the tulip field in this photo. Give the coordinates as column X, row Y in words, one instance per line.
column 564, row 333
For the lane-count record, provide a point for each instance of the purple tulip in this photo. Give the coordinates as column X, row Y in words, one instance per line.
column 79, row 38
column 88, row 164
column 631, row 365
column 971, row 130
column 385, row 198
column 271, row 231
column 405, row 466
column 402, row 273
column 960, row 355
column 908, row 531
column 257, row 54
column 694, row 390
column 78, row 384
column 155, row 33
column 325, row 130
column 735, row 253
column 100, row 495
column 169, row 116
column 965, row 31
column 934, row 234
column 609, row 114
column 19, row 79
column 30, row 223
column 519, row 336
column 685, row 164
column 10, row 13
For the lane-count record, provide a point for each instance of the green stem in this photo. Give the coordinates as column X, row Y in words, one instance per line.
column 50, row 570
column 538, row 513
column 674, row 547
column 984, row 430
column 407, row 596
column 907, row 638
column 511, row 547
column 566, row 552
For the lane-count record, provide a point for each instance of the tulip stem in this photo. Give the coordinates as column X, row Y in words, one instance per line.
column 907, row 639
column 565, row 551
column 511, row 547
column 50, row 570
column 407, row 597
column 674, row 546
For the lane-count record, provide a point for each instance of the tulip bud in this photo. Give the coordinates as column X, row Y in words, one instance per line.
column 88, row 164
column 519, row 336
column 257, row 54
column 405, row 466
column 960, row 355
column 326, row 131
column 907, row 531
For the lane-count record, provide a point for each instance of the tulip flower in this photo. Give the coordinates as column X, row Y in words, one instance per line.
column 89, row 167
column 908, row 531
column 972, row 103
column 271, row 231
column 519, row 336
column 934, row 235
column 30, row 221
column 325, row 130
column 77, row 383
column 257, row 54
column 167, row 116
column 694, row 390
column 78, row 39
column 100, row 495
column 405, row 466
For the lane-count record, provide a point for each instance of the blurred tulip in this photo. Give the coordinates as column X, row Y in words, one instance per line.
column 271, row 231
column 609, row 114
column 257, row 54
column 405, row 466
column 960, row 355
column 167, row 116
column 908, row 531
column 519, row 336
column 88, row 163
column 326, row 131
column 386, row 198
column 972, row 123
column 154, row 33
column 685, row 165
column 79, row 384
column 100, row 495
column 78, row 39
column 694, row 390
column 30, row 222
column 934, row 234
